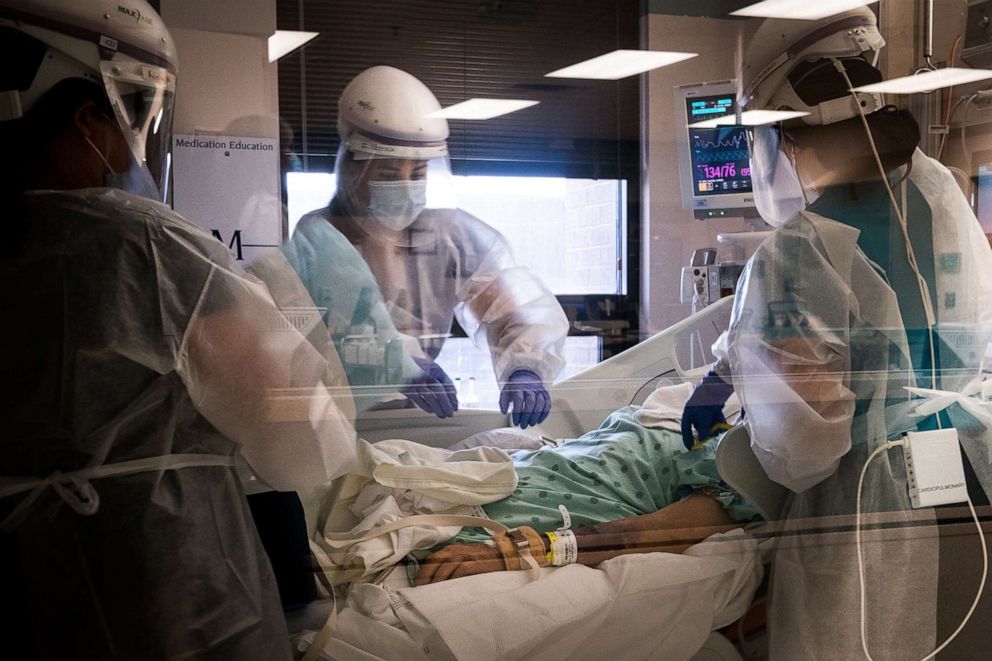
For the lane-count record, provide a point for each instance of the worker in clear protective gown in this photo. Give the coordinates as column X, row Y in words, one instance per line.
column 141, row 367
column 432, row 265
column 863, row 289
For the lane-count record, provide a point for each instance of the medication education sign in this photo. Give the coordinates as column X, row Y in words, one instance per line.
column 229, row 186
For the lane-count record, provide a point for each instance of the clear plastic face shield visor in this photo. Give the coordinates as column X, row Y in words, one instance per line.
column 387, row 186
column 142, row 98
column 778, row 191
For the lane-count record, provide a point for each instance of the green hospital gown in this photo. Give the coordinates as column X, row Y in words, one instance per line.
column 620, row 470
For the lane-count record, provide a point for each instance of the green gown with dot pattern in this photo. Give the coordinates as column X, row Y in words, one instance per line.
column 620, row 470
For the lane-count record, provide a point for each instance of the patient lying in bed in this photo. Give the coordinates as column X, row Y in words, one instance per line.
column 627, row 488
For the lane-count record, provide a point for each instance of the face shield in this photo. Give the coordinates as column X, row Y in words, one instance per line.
column 142, row 98
column 778, row 191
column 386, row 188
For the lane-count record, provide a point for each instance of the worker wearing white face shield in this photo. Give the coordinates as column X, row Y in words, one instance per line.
column 857, row 294
column 436, row 264
column 141, row 368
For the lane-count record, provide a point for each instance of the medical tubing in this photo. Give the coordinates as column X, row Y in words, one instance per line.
column 920, row 281
column 950, row 116
column 345, row 539
column 861, row 568
column 964, row 124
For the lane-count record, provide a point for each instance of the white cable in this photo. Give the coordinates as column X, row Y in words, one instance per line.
column 861, row 566
column 857, row 543
column 931, row 320
column 981, row 586
column 692, row 344
column 964, row 125
column 911, row 255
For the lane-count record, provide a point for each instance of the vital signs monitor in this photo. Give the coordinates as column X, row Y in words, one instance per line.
column 714, row 163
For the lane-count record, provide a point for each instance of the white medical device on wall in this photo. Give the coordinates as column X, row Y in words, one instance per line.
column 705, row 281
column 714, row 163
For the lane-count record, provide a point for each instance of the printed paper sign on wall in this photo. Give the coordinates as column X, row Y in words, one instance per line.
column 229, row 186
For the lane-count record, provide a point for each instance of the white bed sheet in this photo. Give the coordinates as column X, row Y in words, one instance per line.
column 643, row 606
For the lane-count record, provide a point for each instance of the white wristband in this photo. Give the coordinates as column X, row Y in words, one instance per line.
column 564, row 548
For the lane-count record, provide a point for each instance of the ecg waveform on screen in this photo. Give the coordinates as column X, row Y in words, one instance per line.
column 730, row 147
column 729, row 155
column 734, row 141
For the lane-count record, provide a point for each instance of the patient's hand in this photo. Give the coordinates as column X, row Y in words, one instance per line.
column 457, row 560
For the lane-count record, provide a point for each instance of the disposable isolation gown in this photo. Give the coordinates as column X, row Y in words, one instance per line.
column 129, row 337
column 453, row 265
column 819, row 356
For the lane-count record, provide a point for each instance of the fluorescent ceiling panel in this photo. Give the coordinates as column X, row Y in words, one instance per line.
column 750, row 118
column 482, row 108
column 620, row 64
column 284, row 42
column 807, row 10
column 927, row 81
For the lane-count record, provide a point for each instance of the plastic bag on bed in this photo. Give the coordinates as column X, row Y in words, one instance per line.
column 510, row 439
column 396, row 479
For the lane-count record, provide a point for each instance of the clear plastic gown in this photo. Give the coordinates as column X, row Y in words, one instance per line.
column 451, row 265
column 819, row 358
column 129, row 335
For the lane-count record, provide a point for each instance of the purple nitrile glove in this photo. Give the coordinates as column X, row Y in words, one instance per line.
column 530, row 399
column 432, row 391
column 704, row 408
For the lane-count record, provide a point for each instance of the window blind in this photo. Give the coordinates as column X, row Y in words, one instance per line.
column 462, row 49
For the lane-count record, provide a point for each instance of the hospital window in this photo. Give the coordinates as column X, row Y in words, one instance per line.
column 584, row 218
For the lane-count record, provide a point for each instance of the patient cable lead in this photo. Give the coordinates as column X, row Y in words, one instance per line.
column 861, row 569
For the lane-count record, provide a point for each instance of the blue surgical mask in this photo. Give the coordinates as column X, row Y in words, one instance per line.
column 136, row 179
column 396, row 204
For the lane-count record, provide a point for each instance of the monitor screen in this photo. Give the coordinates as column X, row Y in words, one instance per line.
column 719, row 157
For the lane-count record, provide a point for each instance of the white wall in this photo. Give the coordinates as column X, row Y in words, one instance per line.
column 669, row 233
column 225, row 84
column 250, row 17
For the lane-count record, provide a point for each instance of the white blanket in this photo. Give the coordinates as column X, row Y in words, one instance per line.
column 644, row 606
column 395, row 479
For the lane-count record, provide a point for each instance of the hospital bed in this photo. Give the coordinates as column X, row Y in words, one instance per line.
column 579, row 404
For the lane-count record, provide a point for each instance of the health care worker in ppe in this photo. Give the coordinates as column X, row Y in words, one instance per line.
column 434, row 265
column 141, row 366
column 833, row 318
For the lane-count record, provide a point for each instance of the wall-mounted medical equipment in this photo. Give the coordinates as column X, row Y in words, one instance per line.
column 705, row 281
column 714, row 163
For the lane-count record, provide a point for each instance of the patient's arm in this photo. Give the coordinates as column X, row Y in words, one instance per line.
column 671, row 529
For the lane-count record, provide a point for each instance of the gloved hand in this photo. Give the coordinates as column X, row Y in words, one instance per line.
column 432, row 391
column 704, row 408
column 531, row 401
